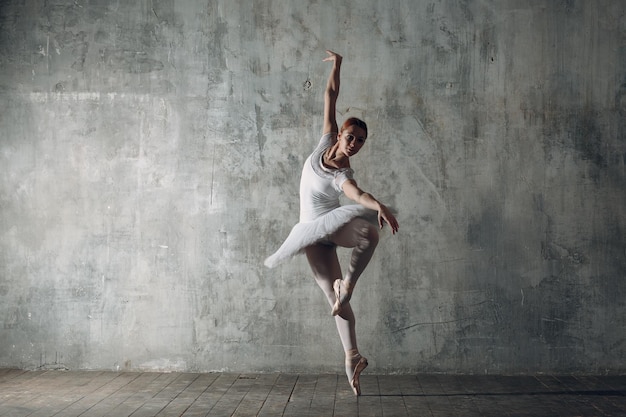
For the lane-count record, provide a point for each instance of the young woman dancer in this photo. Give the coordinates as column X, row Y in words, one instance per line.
column 325, row 224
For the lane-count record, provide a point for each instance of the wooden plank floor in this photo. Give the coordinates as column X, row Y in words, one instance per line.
column 136, row 394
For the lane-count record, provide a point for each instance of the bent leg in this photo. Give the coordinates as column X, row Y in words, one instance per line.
column 362, row 236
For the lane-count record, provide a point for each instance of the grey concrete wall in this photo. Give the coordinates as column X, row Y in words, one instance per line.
column 150, row 159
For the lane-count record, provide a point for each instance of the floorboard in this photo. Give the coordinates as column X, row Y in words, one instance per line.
column 139, row 394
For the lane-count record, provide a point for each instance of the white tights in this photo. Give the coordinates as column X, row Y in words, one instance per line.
column 362, row 236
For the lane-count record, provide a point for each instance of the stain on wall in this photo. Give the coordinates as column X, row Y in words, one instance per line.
column 150, row 155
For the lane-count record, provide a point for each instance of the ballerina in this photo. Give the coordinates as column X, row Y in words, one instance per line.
column 325, row 224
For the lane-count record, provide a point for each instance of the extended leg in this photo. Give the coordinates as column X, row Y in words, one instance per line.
column 326, row 269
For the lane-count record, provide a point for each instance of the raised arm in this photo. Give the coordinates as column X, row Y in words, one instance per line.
column 331, row 93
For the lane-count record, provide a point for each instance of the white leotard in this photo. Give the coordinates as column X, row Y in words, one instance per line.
column 321, row 214
column 320, row 187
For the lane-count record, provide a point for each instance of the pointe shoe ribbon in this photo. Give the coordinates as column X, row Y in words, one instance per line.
column 337, row 289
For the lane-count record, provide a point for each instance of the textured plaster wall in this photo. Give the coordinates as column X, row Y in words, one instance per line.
column 150, row 154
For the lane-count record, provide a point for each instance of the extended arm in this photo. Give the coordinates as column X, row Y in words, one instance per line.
column 353, row 192
column 331, row 93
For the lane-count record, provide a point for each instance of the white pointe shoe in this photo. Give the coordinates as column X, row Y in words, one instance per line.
column 361, row 364
column 338, row 301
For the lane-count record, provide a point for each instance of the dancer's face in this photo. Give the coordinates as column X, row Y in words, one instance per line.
column 351, row 140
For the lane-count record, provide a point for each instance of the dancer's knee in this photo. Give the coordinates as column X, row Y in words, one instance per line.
column 369, row 236
column 373, row 235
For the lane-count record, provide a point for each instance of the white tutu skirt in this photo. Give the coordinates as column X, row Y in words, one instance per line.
column 306, row 234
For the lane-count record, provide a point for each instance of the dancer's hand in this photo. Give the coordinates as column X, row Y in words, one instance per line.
column 333, row 56
column 385, row 216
